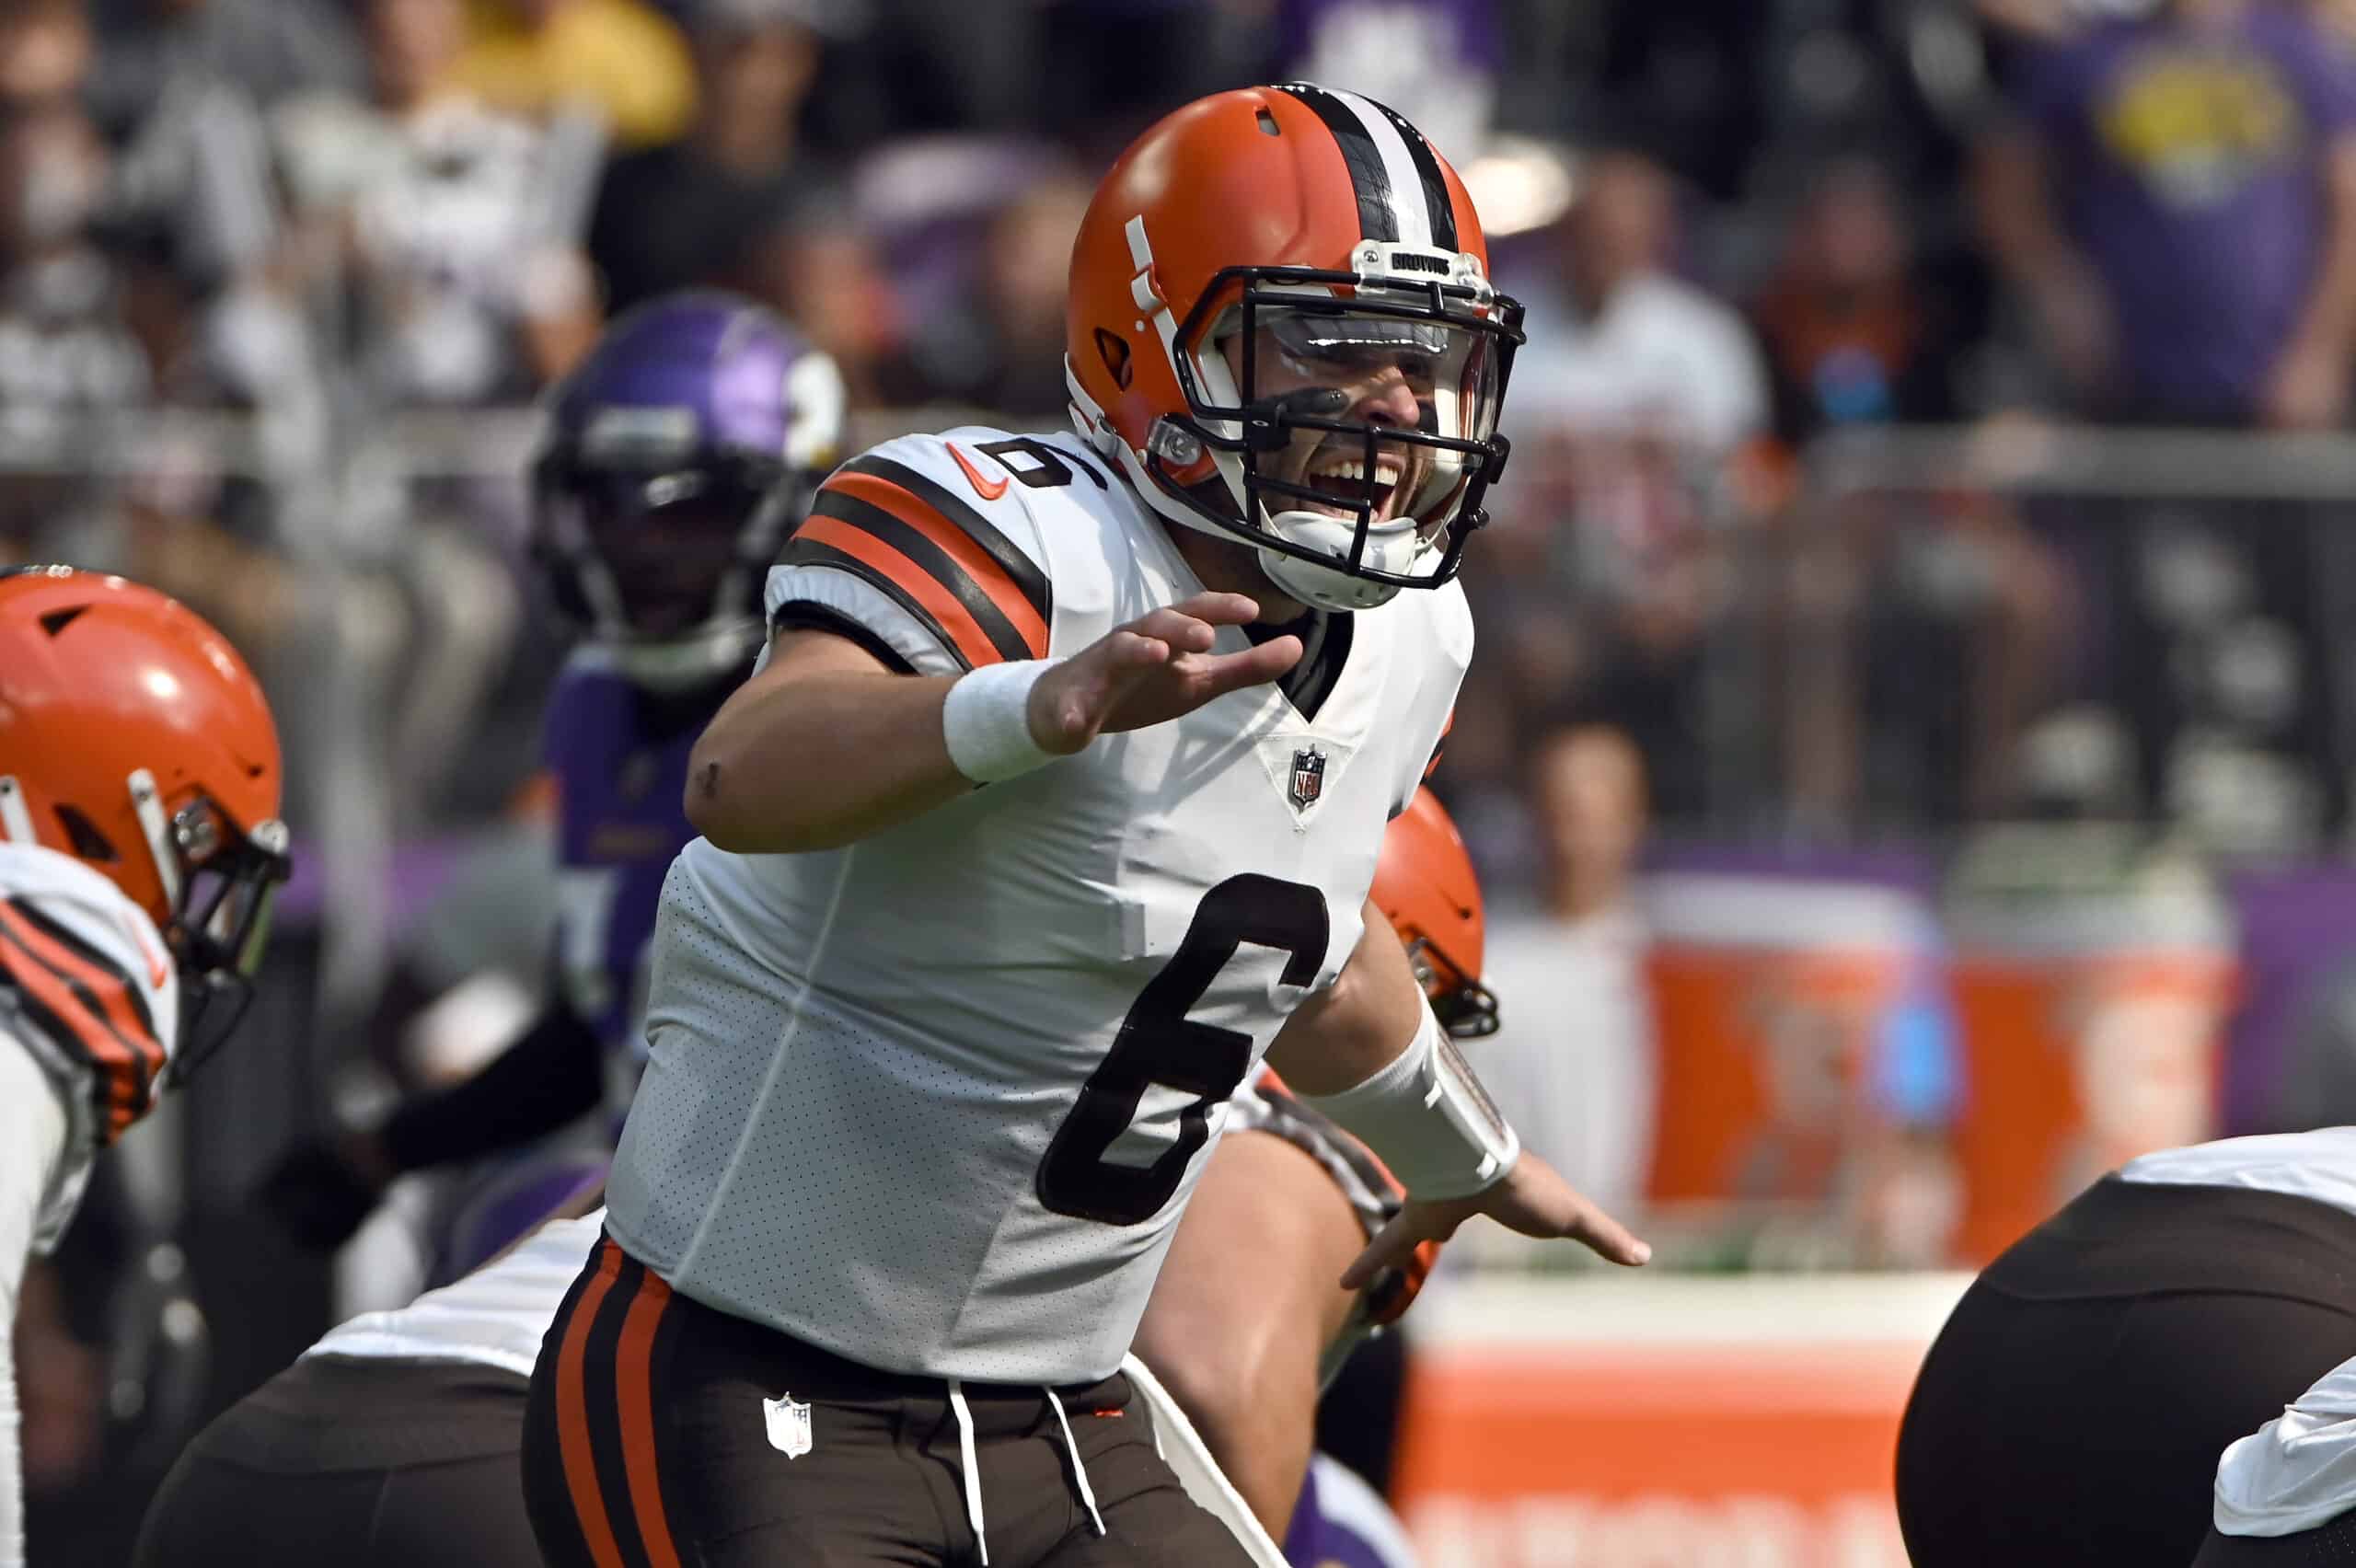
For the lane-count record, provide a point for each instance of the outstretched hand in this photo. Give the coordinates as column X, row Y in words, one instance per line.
column 1155, row 668
column 1531, row 1198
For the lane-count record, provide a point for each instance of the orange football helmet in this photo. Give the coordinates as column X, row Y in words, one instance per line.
column 1426, row 887
column 1281, row 326
column 135, row 739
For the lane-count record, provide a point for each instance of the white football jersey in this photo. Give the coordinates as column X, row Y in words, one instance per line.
column 494, row 1317
column 2298, row 1470
column 2318, row 1165
column 934, row 1100
column 87, row 986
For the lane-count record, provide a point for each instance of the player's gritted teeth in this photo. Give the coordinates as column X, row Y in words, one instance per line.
column 1337, row 466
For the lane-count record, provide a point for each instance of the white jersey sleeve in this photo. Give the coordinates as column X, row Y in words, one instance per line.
column 926, row 549
column 88, row 990
column 2298, row 1470
column 494, row 1317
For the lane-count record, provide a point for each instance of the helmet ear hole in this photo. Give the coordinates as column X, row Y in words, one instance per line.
column 1115, row 349
column 82, row 833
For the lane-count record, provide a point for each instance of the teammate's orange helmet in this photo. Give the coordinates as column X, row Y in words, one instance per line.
column 1426, row 887
column 1281, row 326
column 135, row 739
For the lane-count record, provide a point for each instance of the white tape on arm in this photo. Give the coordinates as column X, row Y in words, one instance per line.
column 985, row 718
column 1427, row 1117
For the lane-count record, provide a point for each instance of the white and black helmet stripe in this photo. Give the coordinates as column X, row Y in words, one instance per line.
column 1439, row 210
column 1402, row 199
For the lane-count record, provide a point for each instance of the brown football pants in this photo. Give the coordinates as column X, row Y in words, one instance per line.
column 664, row 1434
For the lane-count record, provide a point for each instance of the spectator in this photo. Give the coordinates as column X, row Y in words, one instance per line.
column 691, row 211
column 2177, row 206
column 1624, row 348
column 445, row 218
column 1635, row 392
column 1433, row 60
column 67, row 356
column 153, row 51
column 1002, row 348
column 625, row 59
column 1576, row 1055
column 1851, row 334
column 1940, row 595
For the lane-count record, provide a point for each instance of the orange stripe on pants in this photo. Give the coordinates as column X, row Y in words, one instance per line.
column 633, row 1392
column 572, row 1418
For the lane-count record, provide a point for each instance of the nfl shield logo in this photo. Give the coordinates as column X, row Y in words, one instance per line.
column 788, row 1421
column 1308, row 778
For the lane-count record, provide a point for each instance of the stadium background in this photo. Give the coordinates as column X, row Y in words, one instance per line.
column 1909, row 767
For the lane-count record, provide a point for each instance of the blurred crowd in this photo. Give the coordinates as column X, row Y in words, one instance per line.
column 270, row 270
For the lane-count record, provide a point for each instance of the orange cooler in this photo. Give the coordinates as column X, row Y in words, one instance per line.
column 1769, row 994
column 2093, row 1020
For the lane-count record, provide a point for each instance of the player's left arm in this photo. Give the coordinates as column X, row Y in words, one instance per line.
column 1368, row 1052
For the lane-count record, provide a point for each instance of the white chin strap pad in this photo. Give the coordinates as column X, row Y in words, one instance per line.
column 1389, row 546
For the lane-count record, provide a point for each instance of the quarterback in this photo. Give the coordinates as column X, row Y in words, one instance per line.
column 393, row 1440
column 139, row 847
column 1054, row 805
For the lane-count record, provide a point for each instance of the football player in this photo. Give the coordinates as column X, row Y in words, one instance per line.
column 2285, row 1495
column 677, row 457
column 1057, row 800
column 393, row 1440
column 2074, row 1408
column 140, row 845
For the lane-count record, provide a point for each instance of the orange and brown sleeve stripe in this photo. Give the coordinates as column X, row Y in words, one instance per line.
column 934, row 554
column 83, row 1002
column 1440, row 745
column 605, row 1414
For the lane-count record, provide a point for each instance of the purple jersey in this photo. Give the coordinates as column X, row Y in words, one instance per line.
column 1341, row 1522
column 618, row 755
column 2191, row 163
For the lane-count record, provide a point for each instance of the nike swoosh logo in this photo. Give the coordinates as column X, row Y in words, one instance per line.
column 988, row 490
column 157, row 972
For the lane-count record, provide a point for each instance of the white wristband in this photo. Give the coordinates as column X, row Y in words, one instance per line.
column 1427, row 1117
column 987, row 721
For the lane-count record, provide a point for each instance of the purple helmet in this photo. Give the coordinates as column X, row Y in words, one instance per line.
column 677, row 457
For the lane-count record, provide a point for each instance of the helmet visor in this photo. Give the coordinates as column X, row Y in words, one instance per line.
column 1383, row 412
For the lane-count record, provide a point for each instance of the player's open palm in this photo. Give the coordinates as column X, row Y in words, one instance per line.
column 1155, row 668
column 1532, row 1199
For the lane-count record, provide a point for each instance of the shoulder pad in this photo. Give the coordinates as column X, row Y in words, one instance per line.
column 90, row 970
column 945, row 530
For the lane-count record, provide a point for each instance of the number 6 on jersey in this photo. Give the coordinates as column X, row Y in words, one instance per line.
column 1158, row 1043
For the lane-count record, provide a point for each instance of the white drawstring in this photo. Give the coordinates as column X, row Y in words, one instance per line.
column 1079, row 1470
column 973, row 1468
